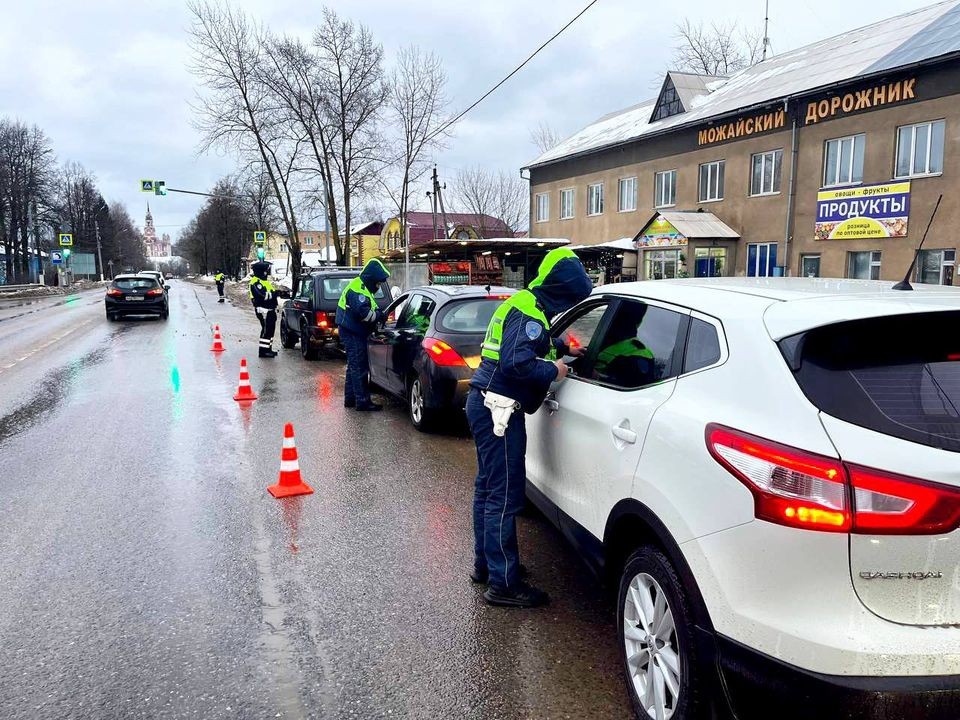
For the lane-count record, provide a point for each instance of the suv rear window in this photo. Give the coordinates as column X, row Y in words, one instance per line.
column 131, row 283
column 333, row 287
column 468, row 316
column 898, row 375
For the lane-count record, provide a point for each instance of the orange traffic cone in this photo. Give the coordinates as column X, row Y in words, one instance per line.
column 244, row 391
column 217, row 340
column 290, row 482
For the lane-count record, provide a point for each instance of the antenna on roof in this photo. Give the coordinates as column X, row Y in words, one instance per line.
column 766, row 31
column 905, row 283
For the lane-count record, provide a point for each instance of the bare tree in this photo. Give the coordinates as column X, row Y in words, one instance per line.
column 235, row 111
column 717, row 49
column 418, row 106
column 545, row 137
column 501, row 195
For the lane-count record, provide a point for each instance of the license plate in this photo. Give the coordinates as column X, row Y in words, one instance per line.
column 134, row 297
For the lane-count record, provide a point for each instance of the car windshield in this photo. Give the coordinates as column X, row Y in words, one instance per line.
column 333, row 287
column 469, row 316
column 135, row 283
column 896, row 375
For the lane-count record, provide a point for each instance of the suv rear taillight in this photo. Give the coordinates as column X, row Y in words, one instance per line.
column 324, row 320
column 441, row 353
column 805, row 490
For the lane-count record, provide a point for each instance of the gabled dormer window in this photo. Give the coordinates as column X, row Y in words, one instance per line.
column 668, row 103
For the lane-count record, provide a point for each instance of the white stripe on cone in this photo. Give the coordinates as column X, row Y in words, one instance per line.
column 289, row 465
column 289, row 442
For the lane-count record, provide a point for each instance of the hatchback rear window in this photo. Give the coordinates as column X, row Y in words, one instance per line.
column 469, row 316
column 333, row 287
column 135, row 283
column 898, row 375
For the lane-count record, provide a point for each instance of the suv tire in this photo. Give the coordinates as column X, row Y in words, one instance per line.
column 287, row 340
column 649, row 586
column 306, row 349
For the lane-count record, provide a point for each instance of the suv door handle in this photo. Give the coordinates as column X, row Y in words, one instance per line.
column 625, row 434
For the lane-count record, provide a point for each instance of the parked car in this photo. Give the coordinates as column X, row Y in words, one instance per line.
column 312, row 312
column 139, row 294
column 428, row 348
column 157, row 275
column 767, row 469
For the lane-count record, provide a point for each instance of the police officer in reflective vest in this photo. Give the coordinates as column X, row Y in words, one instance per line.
column 218, row 278
column 519, row 362
column 263, row 295
column 358, row 316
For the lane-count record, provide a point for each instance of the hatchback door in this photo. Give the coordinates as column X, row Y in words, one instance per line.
column 597, row 419
column 888, row 390
column 379, row 345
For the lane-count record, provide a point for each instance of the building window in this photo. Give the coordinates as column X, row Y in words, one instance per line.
column 711, row 181
column 308, row 241
column 627, row 194
column 709, row 261
column 543, row 207
column 935, row 267
column 765, row 177
column 665, row 189
column 810, row 266
column 863, row 265
column 661, row 264
column 283, row 247
column 761, row 259
column 843, row 161
column 595, row 199
column 920, row 149
column 566, row 203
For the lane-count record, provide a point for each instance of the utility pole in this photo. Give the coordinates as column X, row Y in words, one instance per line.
column 766, row 31
column 438, row 192
column 96, row 226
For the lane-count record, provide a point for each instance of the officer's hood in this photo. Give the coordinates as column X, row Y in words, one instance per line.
column 261, row 269
column 561, row 282
column 373, row 273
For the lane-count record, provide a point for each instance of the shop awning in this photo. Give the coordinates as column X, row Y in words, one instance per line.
column 677, row 227
column 478, row 245
column 618, row 245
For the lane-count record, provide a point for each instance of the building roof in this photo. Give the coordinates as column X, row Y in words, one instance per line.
column 621, row 244
column 479, row 244
column 919, row 36
column 690, row 86
column 421, row 225
column 694, row 224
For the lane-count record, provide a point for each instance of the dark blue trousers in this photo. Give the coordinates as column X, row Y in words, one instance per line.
column 355, row 389
column 499, row 493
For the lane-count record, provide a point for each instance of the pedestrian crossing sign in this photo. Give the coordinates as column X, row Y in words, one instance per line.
column 146, row 186
column 66, row 239
column 259, row 237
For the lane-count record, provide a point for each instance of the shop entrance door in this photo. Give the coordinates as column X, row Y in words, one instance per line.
column 710, row 261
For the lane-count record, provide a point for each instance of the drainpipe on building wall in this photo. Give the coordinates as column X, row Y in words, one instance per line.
column 788, row 231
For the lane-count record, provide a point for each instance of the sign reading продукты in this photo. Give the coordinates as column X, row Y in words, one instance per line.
column 863, row 213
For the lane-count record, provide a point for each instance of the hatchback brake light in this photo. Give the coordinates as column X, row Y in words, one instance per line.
column 155, row 291
column 441, row 353
column 801, row 489
column 114, row 292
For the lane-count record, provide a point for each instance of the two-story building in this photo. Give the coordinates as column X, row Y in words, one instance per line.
column 826, row 160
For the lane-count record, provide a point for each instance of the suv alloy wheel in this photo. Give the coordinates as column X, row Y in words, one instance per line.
column 287, row 340
column 657, row 644
column 306, row 349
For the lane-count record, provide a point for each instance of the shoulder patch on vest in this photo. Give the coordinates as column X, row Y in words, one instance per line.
column 533, row 329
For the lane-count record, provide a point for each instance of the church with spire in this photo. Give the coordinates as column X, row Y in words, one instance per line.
column 156, row 248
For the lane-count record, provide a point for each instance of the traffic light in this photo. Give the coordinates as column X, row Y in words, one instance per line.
column 159, row 187
column 261, row 253
column 66, row 253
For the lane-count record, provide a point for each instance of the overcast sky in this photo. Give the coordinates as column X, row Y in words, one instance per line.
column 108, row 80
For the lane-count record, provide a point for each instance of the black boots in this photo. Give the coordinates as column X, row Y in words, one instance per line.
column 266, row 353
column 520, row 596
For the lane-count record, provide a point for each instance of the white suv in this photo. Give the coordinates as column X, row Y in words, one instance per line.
column 768, row 468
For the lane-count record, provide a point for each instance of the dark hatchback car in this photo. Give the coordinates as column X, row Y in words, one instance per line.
column 312, row 312
column 136, row 295
column 429, row 346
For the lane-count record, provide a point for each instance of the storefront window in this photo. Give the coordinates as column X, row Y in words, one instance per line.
column 810, row 266
column 863, row 265
column 710, row 262
column 761, row 259
column 661, row 264
column 935, row 267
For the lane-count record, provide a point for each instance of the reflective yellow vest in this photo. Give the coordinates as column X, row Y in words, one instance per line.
column 358, row 287
column 267, row 285
column 524, row 301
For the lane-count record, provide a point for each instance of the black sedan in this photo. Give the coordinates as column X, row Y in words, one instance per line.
column 429, row 346
column 136, row 295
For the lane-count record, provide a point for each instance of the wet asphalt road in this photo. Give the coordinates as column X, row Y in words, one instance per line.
column 146, row 573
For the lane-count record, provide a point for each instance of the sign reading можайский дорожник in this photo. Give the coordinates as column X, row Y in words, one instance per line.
column 863, row 212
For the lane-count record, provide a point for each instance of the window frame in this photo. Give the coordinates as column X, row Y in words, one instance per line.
column 536, row 207
column 721, row 340
column 620, row 182
column 913, row 144
column 673, row 186
column 571, row 193
column 876, row 261
column 591, row 187
column 853, row 157
column 722, row 163
column 818, row 256
column 768, row 244
column 777, row 154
